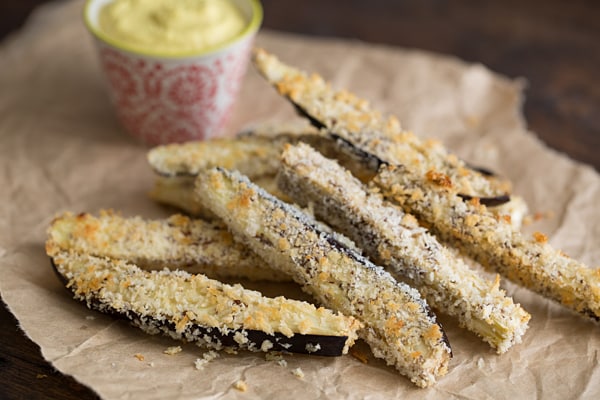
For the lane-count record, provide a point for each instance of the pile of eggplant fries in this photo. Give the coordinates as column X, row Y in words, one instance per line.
column 367, row 218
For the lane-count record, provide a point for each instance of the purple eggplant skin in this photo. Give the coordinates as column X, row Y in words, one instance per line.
column 488, row 201
column 315, row 345
column 372, row 162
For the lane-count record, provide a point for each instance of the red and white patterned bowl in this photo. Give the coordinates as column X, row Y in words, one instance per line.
column 163, row 99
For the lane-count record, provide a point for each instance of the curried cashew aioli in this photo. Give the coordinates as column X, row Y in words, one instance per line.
column 172, row 26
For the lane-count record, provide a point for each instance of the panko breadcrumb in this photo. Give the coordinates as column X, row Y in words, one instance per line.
column 298, row 373
column 173, row 350
column 240, row 385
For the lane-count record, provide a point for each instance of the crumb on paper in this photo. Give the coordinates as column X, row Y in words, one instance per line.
column 41, row 376
column 360, row 356
column 230, row 350
column 172, row 350
column 282, row 363
column 206, row 358
column 113, row 365
column 90, row 317
column 151, row 364
column 240, row 385
column 277, row 357
column 298, row 373
column 480, row 363
column 139, row 356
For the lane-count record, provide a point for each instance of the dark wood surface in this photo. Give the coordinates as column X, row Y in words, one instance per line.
column 554, row 44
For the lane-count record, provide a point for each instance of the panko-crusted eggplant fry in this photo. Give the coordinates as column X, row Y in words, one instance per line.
column 398, row 324
column 192, row 245
column 253, row 154
column 350, row 118
column 195, row 308
column 530, row 262
column 394, row 240
column 178, row 192
column 256, row 156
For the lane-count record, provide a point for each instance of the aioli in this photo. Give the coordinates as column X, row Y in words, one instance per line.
column 171, row 27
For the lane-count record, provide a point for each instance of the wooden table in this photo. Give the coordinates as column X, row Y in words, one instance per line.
column 554, row 44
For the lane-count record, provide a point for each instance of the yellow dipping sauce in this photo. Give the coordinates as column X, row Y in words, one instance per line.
column 171, row 27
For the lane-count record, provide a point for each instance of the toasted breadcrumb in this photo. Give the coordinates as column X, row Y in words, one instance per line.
column 394, row 240
column 139, row 356
column 480, row 363
column 206, row 358
column 312, row 348
column 282, row 363
column 298, row 373
column 266, row 345
column 354, row 285
column 277, row 357
column 172, row 350
column 240, row 385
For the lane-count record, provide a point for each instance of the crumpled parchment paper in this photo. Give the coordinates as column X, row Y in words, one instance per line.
column 62, row 149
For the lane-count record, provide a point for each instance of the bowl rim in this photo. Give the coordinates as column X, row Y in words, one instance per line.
column 251, row 28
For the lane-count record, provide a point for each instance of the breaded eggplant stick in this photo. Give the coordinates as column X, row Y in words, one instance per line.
column 530, row 262
column 394, row 240
column 255, row 154
column 197, row 309
column 398, row 324
column 350, row 118
column 195, row 246
column 176, row 166
column 178, row 192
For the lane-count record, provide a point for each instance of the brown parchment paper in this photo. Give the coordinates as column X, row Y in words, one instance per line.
column 62, row 149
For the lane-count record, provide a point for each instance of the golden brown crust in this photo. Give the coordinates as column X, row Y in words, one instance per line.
column 196, row 308
column 493, row 241
column 179, row 242
column 350, row 118
column 398, row 324
column 254, row 153
column 394, row 240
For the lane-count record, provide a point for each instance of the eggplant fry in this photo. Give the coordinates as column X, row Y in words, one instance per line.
column 178, row 192
column 394, row 240
column 197, row 309
column 350, row 118
column 192, row 245
column 398, row 324
column 254, row 153
column 490, row 240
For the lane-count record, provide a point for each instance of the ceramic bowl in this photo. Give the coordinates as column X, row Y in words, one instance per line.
column 163, row 98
